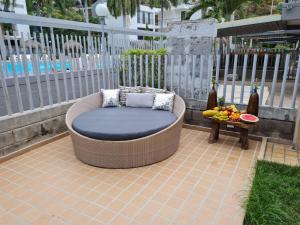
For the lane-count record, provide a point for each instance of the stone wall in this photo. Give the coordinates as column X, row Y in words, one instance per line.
column 184, row 40
column 21, row 130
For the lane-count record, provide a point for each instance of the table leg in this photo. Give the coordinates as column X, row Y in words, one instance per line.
column 214, row 133
column 244, row 138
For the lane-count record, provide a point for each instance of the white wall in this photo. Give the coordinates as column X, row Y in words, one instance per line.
column 174, row 14
column 131, row 22
column 20, row 8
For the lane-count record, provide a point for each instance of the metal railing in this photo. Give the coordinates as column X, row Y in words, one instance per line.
column 46, row 68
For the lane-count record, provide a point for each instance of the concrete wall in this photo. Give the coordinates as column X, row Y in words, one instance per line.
column 21, row 130
column 274, row 122
column 291, row 10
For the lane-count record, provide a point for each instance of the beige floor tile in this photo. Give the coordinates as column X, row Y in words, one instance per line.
column 50, row 186
column 105, row 216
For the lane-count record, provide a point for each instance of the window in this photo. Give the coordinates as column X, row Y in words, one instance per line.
column 145, row 17
column 183, row 14
column 156, row 19
column 140, row 17
column 150, row 20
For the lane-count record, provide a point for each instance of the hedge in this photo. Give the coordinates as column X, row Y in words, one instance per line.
column 142, row 53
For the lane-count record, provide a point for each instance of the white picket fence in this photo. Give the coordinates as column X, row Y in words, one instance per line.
column 47, row 68
column 188, row 75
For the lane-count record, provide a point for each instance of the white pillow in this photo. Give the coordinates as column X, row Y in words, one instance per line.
column 164, row 101
column 139, row 100
column 110, row 97
column 125, row 90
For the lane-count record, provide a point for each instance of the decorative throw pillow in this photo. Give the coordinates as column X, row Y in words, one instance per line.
column 110, row 97
column 152, row 90
column 125, row 90
column 164, row 101
column 140, row 100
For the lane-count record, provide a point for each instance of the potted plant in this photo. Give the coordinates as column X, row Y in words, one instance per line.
column 221, row 101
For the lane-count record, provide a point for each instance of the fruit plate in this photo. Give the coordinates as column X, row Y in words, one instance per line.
column 249, row 118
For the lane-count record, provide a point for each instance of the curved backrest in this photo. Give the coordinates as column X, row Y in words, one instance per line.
column 85, row 104
column 94, row 101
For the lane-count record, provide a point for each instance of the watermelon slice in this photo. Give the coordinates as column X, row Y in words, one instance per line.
column 249, row 118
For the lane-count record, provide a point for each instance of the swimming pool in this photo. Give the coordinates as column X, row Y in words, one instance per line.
column 20, row 68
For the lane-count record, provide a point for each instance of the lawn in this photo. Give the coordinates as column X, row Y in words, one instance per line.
column 275, row 195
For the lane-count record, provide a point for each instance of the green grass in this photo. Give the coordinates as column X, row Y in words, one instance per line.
column 275, row 195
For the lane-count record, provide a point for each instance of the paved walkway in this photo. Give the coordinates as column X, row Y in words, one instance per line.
column 282, row 154
column 201, row 184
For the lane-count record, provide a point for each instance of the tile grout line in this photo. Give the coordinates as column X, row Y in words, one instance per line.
column 232, row 178
column 198, row 160
column 227, row 188
column 252, row 168
column 162, row 185
column 210, row 186
column 194, row 186
column 126, row 204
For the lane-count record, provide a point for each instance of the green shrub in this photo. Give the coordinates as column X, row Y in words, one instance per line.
column 142, row 53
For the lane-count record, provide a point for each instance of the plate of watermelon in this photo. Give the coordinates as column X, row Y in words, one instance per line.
column 249, row 118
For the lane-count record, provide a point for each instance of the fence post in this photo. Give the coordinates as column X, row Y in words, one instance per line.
column 284, row 79
column 296, row 141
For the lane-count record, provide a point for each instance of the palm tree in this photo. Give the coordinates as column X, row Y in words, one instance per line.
column 220, row 10
column 38, row 6
column 123, row 7
column 163, row 4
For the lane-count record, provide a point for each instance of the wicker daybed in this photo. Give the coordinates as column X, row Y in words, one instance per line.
column 124, row 154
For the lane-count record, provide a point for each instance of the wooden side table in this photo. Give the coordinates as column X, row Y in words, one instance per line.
column 244, row 130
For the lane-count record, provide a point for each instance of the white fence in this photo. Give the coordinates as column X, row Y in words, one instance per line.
column 47, row 68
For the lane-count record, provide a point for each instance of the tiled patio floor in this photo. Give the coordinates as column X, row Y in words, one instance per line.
column 282, row 154
column 200, row 184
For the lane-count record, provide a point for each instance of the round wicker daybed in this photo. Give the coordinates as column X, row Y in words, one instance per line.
column 125, row 153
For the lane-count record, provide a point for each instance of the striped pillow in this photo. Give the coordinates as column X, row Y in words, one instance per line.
column 152, row 90
column 125, row 90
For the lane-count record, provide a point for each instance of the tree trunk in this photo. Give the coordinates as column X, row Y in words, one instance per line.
column 124, row 23
column 86, row 11
column 161, row 22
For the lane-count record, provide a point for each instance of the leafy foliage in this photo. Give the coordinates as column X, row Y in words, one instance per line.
column 275, row 195
column 7, row 4
column 122, row 7
column 253, row 9
column 46, row 7
column 142, row 53
column 220, row 10
column 166, row 4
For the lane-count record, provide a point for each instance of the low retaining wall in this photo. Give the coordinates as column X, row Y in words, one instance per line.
column 276, row 123
column 21, row 130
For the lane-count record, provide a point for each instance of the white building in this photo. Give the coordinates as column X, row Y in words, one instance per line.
column 19, row 8
column 145, row 18
column 175, row 14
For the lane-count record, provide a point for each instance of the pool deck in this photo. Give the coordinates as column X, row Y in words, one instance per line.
column 200, row 184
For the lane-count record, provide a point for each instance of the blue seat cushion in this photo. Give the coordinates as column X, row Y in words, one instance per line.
column 122, row 123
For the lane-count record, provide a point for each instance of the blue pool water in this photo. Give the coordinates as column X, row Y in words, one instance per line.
column 20, row 69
